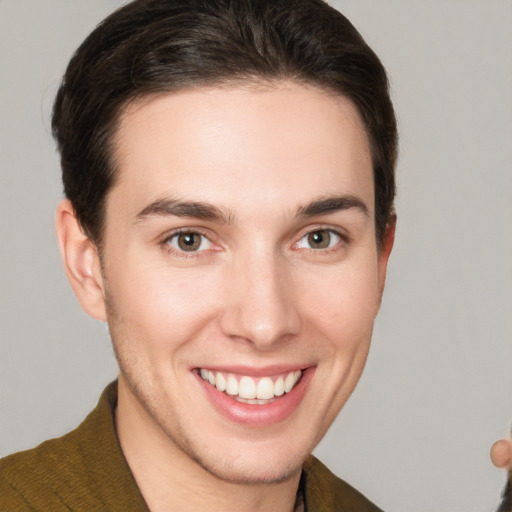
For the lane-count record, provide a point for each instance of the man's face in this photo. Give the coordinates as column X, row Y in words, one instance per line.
column 240, row 261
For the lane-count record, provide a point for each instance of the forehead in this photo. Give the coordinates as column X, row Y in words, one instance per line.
column 277, row 146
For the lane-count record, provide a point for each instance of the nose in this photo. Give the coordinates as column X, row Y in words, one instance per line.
column 260, row 305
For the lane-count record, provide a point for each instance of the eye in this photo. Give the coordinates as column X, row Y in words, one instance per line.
column 189, row 241
column 319, row 239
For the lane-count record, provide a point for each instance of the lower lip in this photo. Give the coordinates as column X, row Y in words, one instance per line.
column 259, row 415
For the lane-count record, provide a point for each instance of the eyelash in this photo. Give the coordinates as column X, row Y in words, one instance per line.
column 342, row 239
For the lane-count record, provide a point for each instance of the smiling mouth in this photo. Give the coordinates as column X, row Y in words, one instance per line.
column 250, row 390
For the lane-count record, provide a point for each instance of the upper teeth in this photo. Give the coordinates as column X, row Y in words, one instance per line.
column 249, row 388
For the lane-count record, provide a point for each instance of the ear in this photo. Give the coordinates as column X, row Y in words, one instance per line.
column 81, row 262
column 385, row 251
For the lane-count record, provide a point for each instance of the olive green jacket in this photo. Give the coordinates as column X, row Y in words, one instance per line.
column 85, row 470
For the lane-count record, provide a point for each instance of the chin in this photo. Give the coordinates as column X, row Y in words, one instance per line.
column 246, row 472
column 248, row 462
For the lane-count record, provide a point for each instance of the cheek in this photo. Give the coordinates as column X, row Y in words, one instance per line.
column 160, row 306
column 340, row 317
column 343, row 302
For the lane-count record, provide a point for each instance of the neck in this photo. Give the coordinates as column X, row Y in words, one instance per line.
column 169, row 479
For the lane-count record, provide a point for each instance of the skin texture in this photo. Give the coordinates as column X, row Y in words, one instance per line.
column 255, row 296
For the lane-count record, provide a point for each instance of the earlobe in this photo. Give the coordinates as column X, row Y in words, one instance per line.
column 385, row 252
column 81, row 261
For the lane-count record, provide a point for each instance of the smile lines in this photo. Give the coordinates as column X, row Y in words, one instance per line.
column 248, row 390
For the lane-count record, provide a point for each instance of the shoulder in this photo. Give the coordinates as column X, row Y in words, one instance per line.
column 82, row 470
column 30, row 480
column 11, row 498
column 326, row 492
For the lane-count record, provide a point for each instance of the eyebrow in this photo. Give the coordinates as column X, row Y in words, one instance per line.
column 205, row 211
column 193, row 209
column 332, row 205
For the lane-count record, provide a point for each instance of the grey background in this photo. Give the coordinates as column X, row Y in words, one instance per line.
column 437, row 390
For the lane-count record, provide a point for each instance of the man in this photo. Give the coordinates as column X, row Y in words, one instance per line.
column 228, row 169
